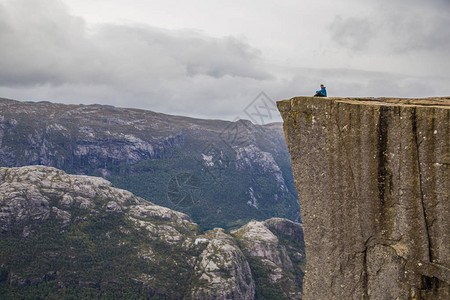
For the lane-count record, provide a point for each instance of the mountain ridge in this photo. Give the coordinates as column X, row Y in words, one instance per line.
column 78, row 236
column 149, row 153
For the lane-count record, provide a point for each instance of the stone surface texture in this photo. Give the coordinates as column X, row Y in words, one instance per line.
column 372, row 176
column 260, row 242
column 222, row 271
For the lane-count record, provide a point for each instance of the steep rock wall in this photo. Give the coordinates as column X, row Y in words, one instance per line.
column 373, row 183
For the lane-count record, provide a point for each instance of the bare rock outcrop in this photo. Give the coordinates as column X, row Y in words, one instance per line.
column 373, row 183
column 76, row 233
column 269, row 256
column 33, row 194
column 259, row 241
column 222, row 271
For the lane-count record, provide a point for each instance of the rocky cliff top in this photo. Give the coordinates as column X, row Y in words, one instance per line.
column 443, row 102
column 373, row 180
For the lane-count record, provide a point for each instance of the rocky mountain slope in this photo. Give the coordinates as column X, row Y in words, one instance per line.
column 77, row 236
column 374, row 187
column 220, row 173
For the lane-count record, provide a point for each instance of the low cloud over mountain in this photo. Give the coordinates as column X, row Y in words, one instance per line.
column 49, row 53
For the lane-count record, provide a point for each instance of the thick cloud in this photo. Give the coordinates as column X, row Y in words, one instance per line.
column 396, row 27
column 53, row 47
column 50, row 54
column 352, row 33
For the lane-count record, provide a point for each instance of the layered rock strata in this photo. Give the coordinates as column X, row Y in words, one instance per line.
column 373, row 183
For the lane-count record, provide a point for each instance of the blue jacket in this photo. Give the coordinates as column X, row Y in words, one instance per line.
column 323, row 91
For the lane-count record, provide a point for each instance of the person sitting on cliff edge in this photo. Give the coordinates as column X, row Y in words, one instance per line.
column 322, row 92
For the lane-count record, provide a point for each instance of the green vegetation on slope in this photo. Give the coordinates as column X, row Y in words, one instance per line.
column 219, row 201
column 145, row 152
column 98, row 257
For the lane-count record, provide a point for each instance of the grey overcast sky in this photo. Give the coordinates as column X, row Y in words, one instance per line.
column 210, row 58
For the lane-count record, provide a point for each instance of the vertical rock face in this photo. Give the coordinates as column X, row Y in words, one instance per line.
column 373, row 183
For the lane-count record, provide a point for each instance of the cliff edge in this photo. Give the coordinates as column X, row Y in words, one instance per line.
column 372, row 176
